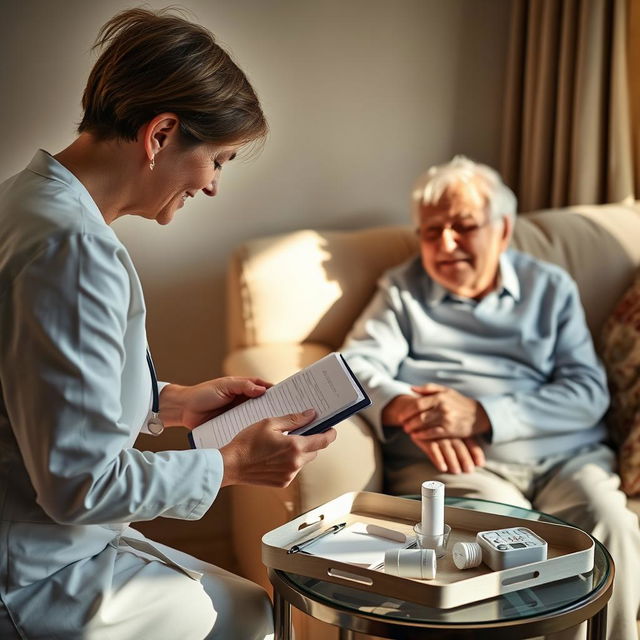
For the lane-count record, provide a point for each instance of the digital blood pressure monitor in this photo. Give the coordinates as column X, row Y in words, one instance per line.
column 506, row 548
column 501, row 549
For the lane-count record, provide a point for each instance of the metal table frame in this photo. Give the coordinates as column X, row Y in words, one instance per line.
column 287, row 594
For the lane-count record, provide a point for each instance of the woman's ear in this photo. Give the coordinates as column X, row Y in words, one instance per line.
column 157, row 133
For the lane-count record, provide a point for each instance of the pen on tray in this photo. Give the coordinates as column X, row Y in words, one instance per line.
column 334, row 529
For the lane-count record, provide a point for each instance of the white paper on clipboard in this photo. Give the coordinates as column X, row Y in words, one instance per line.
column 361, row 544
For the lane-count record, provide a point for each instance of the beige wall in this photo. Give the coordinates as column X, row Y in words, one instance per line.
column 361, row 95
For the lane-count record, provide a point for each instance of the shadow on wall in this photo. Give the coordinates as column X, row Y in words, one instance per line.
column 185, row 327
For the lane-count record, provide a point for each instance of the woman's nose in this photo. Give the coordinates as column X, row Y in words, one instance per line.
column 212, row 189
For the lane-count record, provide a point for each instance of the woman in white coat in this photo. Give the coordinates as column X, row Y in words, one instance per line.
column 164, row 109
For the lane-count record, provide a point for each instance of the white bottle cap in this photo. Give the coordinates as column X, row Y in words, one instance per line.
column 467, row 555
column 432, row 489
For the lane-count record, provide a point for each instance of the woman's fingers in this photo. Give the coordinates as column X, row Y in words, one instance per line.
column 264, row 454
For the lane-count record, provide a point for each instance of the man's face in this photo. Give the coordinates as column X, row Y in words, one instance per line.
column 460, row 247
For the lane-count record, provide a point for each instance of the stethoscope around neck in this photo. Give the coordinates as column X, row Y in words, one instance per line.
column 155, row 426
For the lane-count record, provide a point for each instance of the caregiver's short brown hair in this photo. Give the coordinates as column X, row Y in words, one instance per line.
column 156, row 62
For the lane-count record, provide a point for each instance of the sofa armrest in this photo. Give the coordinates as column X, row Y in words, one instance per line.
column 352, row 463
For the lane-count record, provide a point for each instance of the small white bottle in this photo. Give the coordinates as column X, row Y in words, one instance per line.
column 432, row 524
column 411, row 563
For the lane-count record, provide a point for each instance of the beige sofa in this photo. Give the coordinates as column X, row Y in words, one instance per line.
column 293, row 297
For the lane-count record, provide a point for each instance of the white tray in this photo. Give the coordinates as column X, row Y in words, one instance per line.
column 570, row 551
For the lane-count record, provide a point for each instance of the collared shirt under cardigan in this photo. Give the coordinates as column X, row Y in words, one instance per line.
column 75, row 393
column 523, row 351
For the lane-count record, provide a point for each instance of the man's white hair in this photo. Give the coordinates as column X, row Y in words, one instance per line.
column 460, row 172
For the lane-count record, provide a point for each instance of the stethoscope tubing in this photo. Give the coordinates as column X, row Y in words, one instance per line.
column 155, row 399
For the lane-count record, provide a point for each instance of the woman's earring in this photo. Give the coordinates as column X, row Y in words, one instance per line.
column 152, row 164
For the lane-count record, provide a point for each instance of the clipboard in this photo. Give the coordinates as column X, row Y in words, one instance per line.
column 327, row 385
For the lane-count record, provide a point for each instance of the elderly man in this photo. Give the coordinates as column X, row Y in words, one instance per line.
column 484, row 376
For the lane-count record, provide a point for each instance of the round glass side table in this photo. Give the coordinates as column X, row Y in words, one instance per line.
column 535, row 611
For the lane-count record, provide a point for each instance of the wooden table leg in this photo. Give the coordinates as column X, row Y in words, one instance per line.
column 282, row 615
column 597, row 626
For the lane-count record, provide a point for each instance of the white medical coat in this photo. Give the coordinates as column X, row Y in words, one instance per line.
column 75, row 392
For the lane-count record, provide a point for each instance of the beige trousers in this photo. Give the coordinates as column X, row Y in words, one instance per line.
column 582, row 489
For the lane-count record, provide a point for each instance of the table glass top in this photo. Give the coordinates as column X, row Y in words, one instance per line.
column 540, row 600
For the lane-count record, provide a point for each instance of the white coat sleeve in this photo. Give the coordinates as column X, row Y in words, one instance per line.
column 64, row 319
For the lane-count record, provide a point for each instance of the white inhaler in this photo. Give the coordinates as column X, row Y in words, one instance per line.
column 432, row 532
column 432, row 508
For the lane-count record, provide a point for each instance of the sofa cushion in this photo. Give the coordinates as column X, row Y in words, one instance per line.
column 621, row 355
column 597, row 245
column 311, row 285
column 308, row 285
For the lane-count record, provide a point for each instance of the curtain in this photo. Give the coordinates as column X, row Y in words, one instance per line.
column 634, row 88
column 567, row 136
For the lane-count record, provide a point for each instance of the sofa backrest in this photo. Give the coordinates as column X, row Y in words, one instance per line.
column 310, row 286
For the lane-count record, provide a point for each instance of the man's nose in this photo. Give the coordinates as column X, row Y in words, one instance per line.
column 448, row 239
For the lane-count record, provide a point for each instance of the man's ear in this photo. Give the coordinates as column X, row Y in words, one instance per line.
column 158, row 132
column 507, row 231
